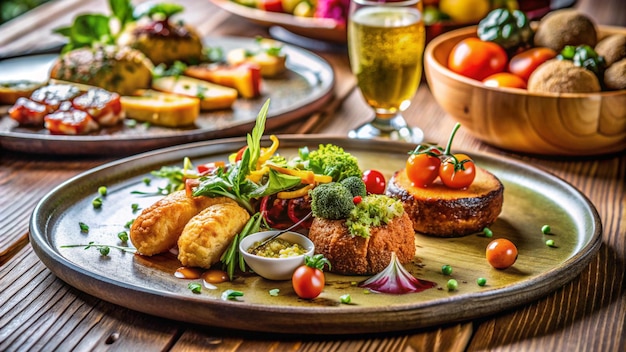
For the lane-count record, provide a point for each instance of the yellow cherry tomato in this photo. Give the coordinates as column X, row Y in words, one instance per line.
column 465, row 11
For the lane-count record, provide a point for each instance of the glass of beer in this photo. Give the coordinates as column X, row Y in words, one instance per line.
column 386, row 45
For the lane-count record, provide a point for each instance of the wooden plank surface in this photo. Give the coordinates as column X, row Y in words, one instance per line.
column 40, row 312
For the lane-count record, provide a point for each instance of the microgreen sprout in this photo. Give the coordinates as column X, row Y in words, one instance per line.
column 231, row 295
column 135, row 207
column 97, row 203
column 84, row 228
column 446, row 269
column 123, row 236
column 104, row 249
column 345, row 299
column 195, row 287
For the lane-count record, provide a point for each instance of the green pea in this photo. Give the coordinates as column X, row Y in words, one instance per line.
column 487, row 232
column 545, row 229
column 452, row 285
column 481, row 281
column 346, row 299
column 102, row 190
column 123, row 236
column 550, row 243
column 446, row 269
column 104, row 250
column 97, row 203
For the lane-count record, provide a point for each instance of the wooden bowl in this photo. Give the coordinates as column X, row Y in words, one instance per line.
column 516, row 120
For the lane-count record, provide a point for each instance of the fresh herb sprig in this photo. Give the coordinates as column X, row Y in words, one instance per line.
column 102, row 248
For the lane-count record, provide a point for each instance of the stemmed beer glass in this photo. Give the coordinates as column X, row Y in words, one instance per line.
column 386, row 44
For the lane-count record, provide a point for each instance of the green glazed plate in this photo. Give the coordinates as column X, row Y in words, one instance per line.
column 532, row 198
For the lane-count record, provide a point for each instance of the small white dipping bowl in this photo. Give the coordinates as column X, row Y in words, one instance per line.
column 275, row 268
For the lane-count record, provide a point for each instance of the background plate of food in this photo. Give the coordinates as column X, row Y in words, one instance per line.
column 67, row 231
column 302, row 87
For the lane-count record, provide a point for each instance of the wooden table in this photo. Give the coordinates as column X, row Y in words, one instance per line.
column 40, row 312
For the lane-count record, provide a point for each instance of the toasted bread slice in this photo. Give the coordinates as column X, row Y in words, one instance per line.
column 445, row 212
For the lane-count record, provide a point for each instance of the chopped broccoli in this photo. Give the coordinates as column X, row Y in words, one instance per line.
column 331, row 201
column 373, row 210
column 355, row 185
column 333, row 161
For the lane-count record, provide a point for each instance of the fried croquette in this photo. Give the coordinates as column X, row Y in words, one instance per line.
column 562, row 76
column 355, row 255
column 444, row 212
column 206, row 235
column 157, row 228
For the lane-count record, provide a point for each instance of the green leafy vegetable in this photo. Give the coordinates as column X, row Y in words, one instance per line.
column 195, row 287
column 333, row 161
column 231, row 295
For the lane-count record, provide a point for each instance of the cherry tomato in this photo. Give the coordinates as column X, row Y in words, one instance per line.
column 375, row 182
column 240, row 153
column 505, row 79
column 524, row 63
column 422, row 169
column 501, row 253
column 308, row 280
column 210, row 167
column 477, row 59
column 458, row 171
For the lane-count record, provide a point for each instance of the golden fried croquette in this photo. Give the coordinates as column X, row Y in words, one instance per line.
column 158, row 227
column 354, row 255
column 206, row 235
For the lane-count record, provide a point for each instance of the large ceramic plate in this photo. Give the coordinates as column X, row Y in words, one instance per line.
column 303, row 89
column 532, row 198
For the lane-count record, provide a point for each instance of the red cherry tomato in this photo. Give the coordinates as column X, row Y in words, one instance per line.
column 505, row 79
column 477, row 59
column 501, row 253
column 422, row 169
column 375, row 182
column 308, row 280
column 524, row 63
column 240, row 153
column 210, row 167
column 457, row 172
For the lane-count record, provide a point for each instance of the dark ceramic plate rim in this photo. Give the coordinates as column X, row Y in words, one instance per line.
column 111, row 144
column 314, row 320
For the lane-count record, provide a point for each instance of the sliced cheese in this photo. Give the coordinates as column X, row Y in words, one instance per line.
column 211, row 96
column 271, row 65
column 160, row 108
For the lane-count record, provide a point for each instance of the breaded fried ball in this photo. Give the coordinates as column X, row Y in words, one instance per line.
column 565, row 27
column 612, row 48
column 207, row 235
column 562, row 76
column 615, row 75
column 354, row 255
